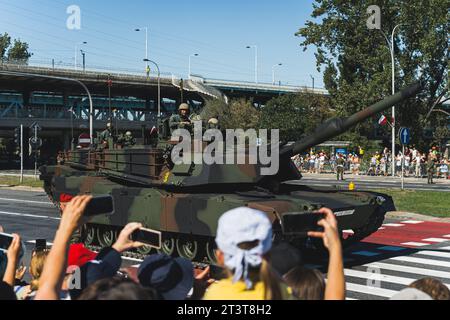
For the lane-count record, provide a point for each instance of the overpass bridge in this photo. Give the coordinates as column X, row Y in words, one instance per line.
column 62, row 109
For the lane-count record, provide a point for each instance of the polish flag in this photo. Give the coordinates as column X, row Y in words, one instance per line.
column 383, row 120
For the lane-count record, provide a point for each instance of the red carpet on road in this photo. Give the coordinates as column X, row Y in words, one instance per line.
column 411, row 233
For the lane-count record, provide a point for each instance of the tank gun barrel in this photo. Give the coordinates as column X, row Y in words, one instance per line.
column 337, row 126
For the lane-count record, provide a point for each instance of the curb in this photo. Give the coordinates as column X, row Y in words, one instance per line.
column 401, row 215
column 20, row 188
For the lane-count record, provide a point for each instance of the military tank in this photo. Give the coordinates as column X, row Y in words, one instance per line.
column 185, row 202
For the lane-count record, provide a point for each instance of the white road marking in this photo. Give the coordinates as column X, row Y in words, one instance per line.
column 380, row 277
column 407, row 269
column 436, row 240
column 393, row 225
column 415, row 244
column 34, row 242
column 27, row 201
column 28, row 215
column 412, row 221
column 370, row 290
column 429, row 262
column 433, row 253
column 132, row 259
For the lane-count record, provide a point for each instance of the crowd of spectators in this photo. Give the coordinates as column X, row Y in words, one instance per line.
column 378, row 163
column 254, row 268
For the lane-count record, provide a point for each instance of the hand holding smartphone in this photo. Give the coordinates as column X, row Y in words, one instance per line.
column 150, row 237
column 300, row 223
column 100, row 205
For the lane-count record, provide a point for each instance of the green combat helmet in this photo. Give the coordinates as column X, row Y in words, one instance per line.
column 185, row 201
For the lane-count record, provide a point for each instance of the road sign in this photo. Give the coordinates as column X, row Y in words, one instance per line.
column 84, row 140
column 35, row 143
column 404, row 136
column 35, row 126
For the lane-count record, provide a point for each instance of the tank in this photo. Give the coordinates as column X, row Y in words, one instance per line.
column 185, row 202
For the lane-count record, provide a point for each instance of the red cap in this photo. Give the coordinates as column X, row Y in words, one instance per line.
column 64, row 197
column 79, row 255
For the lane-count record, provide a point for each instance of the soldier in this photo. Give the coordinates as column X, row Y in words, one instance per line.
column 129, row 140
column 181, row 120
column 213, row 123
column 340, row 162
column 430, row 168
column 105, row 135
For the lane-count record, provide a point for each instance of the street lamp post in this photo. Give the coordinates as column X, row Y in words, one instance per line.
column 84, row 60
column 76, row 52
column 146, row 44
column 256, row 61
column 391, row 49
column 192, row 55
column 159, row 87
column 273, row 72
column 312, row 82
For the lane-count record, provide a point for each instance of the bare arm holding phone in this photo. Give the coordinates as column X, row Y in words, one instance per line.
column 13, row 260
column 124, row 241
column 55, row 266
column 335, row 288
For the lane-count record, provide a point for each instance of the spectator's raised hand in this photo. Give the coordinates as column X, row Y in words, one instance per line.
column 13, row 258
column 73, row 212
column 14, row 248
column 124, row 241
column 20, row 272
column 330, row 235
column 202, row 281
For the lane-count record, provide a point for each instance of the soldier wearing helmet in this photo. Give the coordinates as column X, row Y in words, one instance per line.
column 105, row 135
column 181, row 120
column 213, row 123
column 127, row 140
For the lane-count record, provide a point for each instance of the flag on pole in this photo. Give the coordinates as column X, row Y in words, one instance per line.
column 382, row 121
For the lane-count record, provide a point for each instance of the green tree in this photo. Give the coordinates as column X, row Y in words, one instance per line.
column 238, row 114
column 356, row 61
column 19, row 52
column 5, row 42
column 295, row 114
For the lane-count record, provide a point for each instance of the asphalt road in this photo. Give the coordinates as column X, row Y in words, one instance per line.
column 386, row 262
column 370, row 182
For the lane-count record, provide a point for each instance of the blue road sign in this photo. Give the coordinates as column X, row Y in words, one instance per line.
column 404, row 136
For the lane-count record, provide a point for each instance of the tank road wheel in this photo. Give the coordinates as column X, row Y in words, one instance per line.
column 106, row 238
column 88, row 235
column 187, row 248
column 211, row 251
column 167, row 246
column 145, row 250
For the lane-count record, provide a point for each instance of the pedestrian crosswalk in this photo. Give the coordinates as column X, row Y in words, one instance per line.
column 382, row 278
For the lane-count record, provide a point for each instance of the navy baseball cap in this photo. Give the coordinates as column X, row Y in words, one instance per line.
column 172, row 278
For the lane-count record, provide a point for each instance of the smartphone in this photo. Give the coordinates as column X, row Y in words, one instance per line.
column 150, row 237
column 41, row 245
column 5, row 241
column 100, row 205
column 300, row 223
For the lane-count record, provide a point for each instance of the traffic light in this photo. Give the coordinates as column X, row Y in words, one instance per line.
column 17, row 140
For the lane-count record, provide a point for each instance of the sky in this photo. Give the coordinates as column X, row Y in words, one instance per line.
column 218, row 31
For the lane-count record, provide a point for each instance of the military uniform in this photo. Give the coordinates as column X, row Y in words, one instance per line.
column 127, row 140
column 104, row 137
column 340, row 168
column 179, row 121
column 430, row 170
